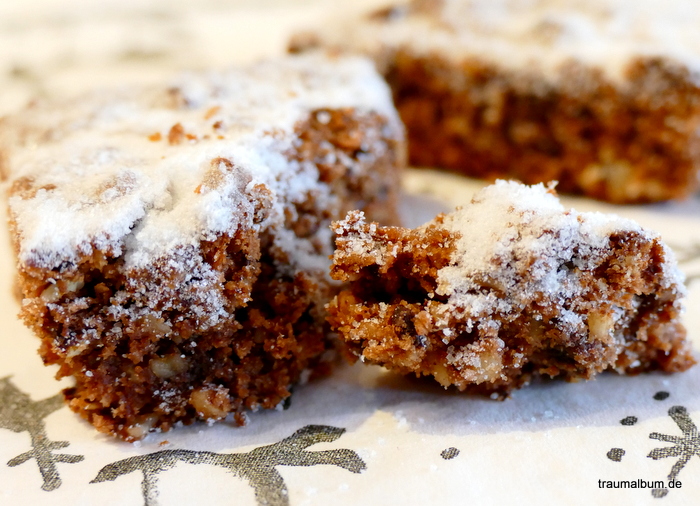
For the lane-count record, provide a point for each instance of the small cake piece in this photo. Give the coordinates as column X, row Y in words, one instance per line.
column 509, row 287
column 603, row 96
column 173, row 243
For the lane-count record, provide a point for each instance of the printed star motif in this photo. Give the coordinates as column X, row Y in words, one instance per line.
column 684, row 446
column 256, row 466
column 19, row 413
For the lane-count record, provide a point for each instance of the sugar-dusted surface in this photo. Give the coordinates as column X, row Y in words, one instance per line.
column 509, row 229
column 134, row 173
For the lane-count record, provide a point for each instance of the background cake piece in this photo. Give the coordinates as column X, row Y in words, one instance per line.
column 509, row 287
column 602, row 96
column 173, row 242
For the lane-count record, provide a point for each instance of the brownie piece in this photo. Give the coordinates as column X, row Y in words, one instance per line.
column 173, row 242
column 603, row 97
column 509, row 287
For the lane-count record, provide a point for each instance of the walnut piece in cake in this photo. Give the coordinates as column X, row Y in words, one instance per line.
column 509, row 287
column 603, row 96
column 173, row 242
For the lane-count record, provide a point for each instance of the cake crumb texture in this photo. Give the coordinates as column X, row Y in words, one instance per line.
column 510, row 287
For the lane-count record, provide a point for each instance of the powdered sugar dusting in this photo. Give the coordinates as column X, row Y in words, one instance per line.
column 536, row 34
column 509, row 229
column 148, row 171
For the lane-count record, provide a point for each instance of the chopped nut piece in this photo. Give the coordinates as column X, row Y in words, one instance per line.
column 176, row 134
column 211, row 403
column 169, row 366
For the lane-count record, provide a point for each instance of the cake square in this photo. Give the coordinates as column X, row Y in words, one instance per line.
column 602, row 96
column 173, row 241
column 506, row 289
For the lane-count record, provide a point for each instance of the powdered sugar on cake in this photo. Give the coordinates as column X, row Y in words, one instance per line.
column 134, row 173
column 510, row 229
column 510, row 287
column 535, row 34
column 514, row 245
